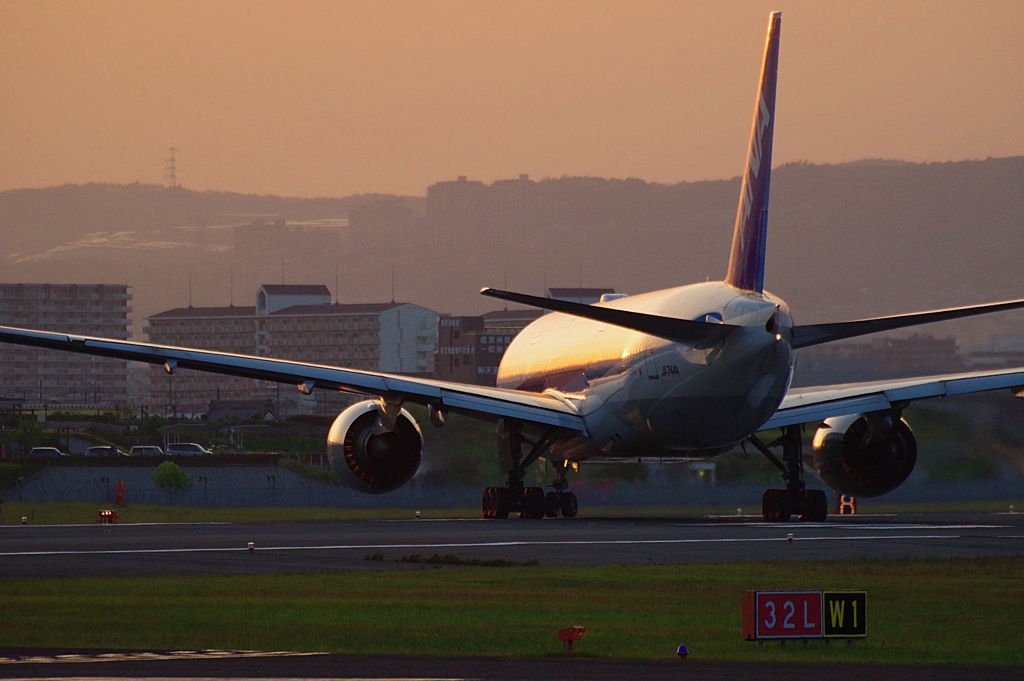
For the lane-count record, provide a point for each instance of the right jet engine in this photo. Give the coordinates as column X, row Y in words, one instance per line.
column 864, row 455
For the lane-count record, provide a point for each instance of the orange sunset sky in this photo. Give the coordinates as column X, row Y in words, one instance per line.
column 335, row 98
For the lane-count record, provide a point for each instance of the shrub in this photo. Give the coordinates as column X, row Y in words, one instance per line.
column 169, row 476
column 9, row 474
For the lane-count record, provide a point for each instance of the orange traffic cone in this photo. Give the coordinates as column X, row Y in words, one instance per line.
column 119, row 499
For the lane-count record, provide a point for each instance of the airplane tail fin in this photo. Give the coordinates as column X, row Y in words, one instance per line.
column 746, row 262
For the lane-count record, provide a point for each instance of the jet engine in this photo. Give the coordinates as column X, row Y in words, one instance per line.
column 369, row 458
column 864, row 455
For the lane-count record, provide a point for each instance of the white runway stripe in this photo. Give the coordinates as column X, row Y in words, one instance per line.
column 19, row 527
column 465, row 545
column 146, row 656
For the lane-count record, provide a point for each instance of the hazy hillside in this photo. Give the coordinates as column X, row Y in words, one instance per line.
column 851, row 240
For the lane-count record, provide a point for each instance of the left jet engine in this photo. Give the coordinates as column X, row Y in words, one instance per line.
column 367, row 458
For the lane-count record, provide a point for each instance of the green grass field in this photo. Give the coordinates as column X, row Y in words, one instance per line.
column 932, row 611
column 71, row 513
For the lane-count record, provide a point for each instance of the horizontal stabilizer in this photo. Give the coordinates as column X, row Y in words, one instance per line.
column 669, row 328
column 816, row 334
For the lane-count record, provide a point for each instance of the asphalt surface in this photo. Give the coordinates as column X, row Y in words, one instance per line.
column 59, row 664
column 222, row 548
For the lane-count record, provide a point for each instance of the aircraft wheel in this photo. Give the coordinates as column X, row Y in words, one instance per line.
column 815, row 506
column 551, row 505
column 485, row 503
column 489, row 505
column 569, row 505
column 501, row 503
column 533, row 503
column 776, row 506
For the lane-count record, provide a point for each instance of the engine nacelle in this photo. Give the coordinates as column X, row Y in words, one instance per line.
column 863, row 455
column 369, row 461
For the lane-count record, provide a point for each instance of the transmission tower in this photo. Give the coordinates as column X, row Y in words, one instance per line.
column 170, row 170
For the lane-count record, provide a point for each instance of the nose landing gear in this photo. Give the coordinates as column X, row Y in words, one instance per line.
column 779, row 505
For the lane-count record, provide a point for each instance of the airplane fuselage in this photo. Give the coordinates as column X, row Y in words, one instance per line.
column 644, row 396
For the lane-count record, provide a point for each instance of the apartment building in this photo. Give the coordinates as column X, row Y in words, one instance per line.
column 48, row 378
column 295, row 322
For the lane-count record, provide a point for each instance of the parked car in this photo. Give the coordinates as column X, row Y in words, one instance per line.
column 46, row 452
column 104, row 451
column 145, row 450
column 186, row 449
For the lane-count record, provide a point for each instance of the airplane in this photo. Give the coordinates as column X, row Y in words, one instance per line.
column 677, row 374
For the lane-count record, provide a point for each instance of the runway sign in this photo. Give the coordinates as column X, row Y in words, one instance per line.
column 773, row 615
column 844, row 614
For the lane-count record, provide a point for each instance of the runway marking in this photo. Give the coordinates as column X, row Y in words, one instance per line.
column 165, row 656
column 791, row 525
column 57, row 526
column 465, row 545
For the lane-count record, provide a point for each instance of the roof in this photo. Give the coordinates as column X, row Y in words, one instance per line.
column 337, row 308
column 578, row 292
column 193, row 312
column 241, row 410
column 499, row 315
column 328, row 309
column 296, row 289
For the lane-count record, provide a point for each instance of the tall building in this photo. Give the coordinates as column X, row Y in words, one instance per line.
column 515, row 210
column 50, row 378
column 469, row 349
column 459, row 211
column 468, row 211
column 387, row 223
column 297, row 323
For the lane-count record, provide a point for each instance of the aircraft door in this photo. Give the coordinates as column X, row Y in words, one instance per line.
column 650, row 366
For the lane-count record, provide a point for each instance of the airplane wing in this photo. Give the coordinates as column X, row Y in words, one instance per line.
column 805, row 405
column 474, row 400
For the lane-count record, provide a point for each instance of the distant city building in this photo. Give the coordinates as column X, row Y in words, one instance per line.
column 38, row 378
column 469, row 349
column 515, row 210
column 387, row 223
column 241, row 410
column 587, row 296
column 291, row 322
column 1002, row 352
column 881, row 358
column 458, row 211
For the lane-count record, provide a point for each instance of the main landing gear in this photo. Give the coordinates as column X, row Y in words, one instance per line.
column 779, row 505
column 528, row 502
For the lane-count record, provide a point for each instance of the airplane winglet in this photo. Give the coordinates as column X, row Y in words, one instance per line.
column 746, row 261
column 703, row 334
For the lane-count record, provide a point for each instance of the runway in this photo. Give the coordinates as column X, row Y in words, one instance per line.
column 283, row 666
column 297, row 546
